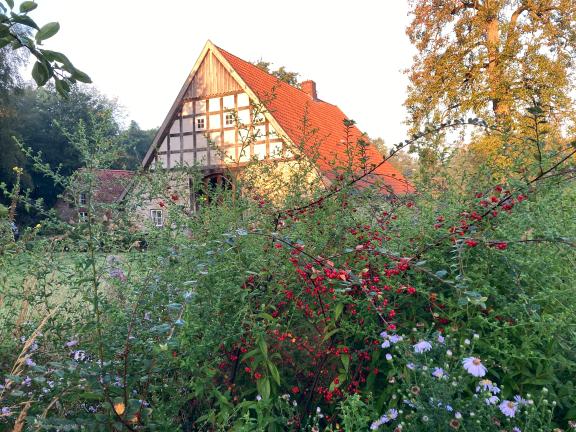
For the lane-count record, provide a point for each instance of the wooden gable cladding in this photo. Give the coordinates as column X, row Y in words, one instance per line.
column 210, row 79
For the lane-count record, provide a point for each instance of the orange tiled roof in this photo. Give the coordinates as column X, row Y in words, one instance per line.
column 290, row 105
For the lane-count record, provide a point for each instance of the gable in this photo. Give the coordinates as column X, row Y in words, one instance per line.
column 211, row 79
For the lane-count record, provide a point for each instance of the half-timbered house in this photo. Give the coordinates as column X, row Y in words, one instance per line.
column 224, row 99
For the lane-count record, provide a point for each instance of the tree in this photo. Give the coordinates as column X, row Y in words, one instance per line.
column 135, row 143
column 18, row 31
column 492, row 58
column 281, row 73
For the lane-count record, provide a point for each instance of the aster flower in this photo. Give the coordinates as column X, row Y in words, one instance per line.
column 438, row 372
column 389, row 357
column 386, row 344
column 474, row 366
column 395, row 339
column 516, row 429
column 492, row 400
column 422, row 346
column 458, row 415
column 487, row 385
column 520, row 400
column 30, row 362
column 411, row 366
column 393, row 414
column 71, row 343
column 508, row 408
column 441, row 339
column 5, row 411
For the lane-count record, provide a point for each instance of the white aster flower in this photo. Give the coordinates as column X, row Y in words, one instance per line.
column 422, row 346
column 474, row 366
column 508, row 408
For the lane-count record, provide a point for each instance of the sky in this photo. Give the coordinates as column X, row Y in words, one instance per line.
column 141, row 51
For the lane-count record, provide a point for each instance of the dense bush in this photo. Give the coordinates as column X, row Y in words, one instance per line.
column 333, row 308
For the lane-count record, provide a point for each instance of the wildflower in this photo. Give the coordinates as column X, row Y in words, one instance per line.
column 516, row 429
column 30, row 362
column 458, row 415
column 449, row 408
column 386, row 344
column 438, row 372
column 393, row 414
column 395, row 339
column 467, row 341
column 449, row 353
column 389, row 357
column 422, row 346
column 411, row 366
column 487, row 385
column 474, row 366
column 508, row 408
column 27, row 381
column 79, row 355
column 492, row 400
column 295, row 390
column 5, row 411
column 441, row 339
column 520, row 400
column 71, row 343
column 257, row 375
column 258, row 398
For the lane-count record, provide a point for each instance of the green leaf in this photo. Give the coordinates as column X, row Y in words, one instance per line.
column 274, row 372
column 40, row 73
column 263, row 386
column 28, row 6
column 4, row 30
column 10, row 3
column 345, row 361
column 62, row 87
column 338, row 311
column 24, row 20
column 262, row 346
column 4, row 42
column 56, row 56
column 81, row 76
column 330, row 333
column 47, row 31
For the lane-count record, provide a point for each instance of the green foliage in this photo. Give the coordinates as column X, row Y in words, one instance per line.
column 281, row 73
column 266, row 311
column 16, row 27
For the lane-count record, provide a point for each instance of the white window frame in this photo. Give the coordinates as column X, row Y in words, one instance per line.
column 82, row 216
column 229, row 119
column 157, row 221
column 82, row 199
column 198, row 120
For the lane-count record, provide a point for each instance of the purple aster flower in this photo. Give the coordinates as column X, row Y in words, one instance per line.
column 438, row 372
column 395, row 339
column 392, row 414
column 30, row 362
column 384, row 335
column 258, row 398
column 71, row 343
column 422, row 346
column 27, row 381
column 474, row 366
column 516, row 429
column 449, row 408
column 508, row 408
column 411, row 366
column 441, row 339
column 386, row 344
column 389, row 357
column 492, row 400
column 520, row 400
column 79, row 355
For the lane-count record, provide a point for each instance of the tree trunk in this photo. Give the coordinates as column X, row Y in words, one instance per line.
column 500, row 105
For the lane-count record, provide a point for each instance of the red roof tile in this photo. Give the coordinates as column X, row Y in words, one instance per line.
column 290, row 106
column 111, row 184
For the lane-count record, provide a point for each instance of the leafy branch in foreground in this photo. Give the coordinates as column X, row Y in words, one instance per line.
column 19, row 31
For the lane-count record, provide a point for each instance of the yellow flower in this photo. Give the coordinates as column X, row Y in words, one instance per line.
column 38, row 226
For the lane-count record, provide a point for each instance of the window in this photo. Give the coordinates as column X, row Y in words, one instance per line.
column 82, row 216
column 157, row 217
column 82, row 199
column 200, row 123
column 229, row 119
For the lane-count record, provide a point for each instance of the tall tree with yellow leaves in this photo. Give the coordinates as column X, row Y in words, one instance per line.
column 492, row 58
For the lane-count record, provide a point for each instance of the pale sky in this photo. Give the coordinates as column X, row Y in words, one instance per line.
column 141, row 51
